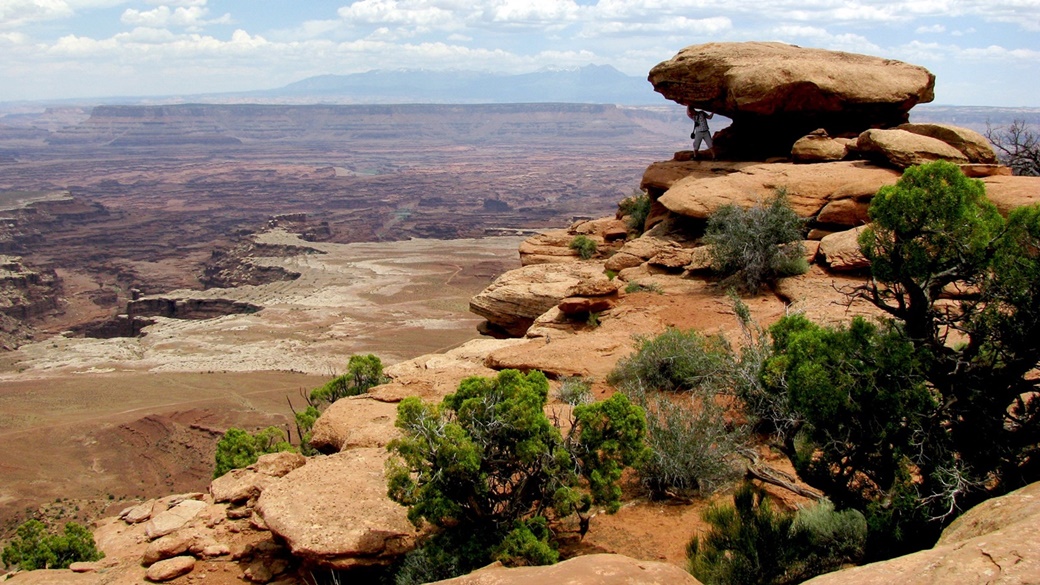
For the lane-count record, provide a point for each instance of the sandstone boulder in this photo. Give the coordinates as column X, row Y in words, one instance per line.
column 816, row 148
column 598, row 569
column 170, row 569
column 997, row 543
column 809, row 187
column 434, row 376
column 840, row 250
column 845, row 212
column 1008, row 193
column 1021, row 505
column 242, row 485
column 355, row 421
column 776, row 93
column 514, row 300
column 903, row 149
column 173, row 519
column 974, row 146
column 334, row 511
column 642, row 249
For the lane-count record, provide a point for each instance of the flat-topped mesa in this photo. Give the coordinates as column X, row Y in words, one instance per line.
column 777, row 93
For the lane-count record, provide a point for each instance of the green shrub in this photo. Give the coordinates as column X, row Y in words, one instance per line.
column 363, row 373
column 750, row 543
column 34, row 547
column 635, row 209
column 585, row 246
column 488, row 467
column 752, row 247
column 238, row 448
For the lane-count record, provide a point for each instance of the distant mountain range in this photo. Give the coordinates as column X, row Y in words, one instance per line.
column 592, row 84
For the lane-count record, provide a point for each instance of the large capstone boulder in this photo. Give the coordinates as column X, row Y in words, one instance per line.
column 776, row 93
column 598, row 569
column 334, row 511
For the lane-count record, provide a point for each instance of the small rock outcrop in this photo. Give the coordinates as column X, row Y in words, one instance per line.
column 776, row 93
column 598, row 569
column 514, row 300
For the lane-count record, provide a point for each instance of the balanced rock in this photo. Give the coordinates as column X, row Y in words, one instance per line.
column 514, row 300
column 776, row 93
column 597, row 569
column 334, row 511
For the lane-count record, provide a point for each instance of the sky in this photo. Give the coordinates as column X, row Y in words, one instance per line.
column 983, row 52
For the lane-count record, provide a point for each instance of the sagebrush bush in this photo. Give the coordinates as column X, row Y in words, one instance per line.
column 677, row 378
column 675, row 360
column 585, row 246
column 754, row 246
column 692, row 446
column 575, row 391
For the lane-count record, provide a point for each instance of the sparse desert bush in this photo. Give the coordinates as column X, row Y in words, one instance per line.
column 752, row 247
column 692, row 446
column 636, row 208
column 238, row 448
column 678, row 378
column 1017, row 146
column 575, row 391
column 585, row 246
column 34, row 547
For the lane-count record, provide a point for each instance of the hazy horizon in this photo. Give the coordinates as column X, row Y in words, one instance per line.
column 983, row 53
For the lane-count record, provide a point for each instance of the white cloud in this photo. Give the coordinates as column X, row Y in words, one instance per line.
column 190, row 17
column 930, row 29
column 15, row 13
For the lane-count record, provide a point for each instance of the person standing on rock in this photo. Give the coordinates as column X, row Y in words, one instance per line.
column 700, row 130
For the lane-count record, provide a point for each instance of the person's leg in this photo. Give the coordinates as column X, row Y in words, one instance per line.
column 698, row 137
column 709, row 144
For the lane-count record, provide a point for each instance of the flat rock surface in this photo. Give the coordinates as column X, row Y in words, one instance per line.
column 601, row 569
